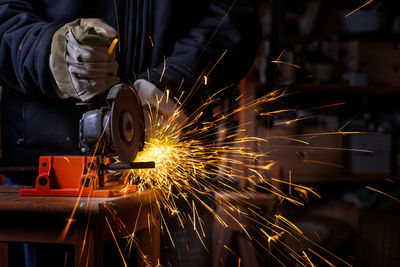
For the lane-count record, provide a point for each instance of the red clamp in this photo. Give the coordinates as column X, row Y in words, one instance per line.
column 76, row 176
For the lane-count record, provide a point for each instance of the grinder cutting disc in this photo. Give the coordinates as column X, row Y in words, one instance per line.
column 126, row 122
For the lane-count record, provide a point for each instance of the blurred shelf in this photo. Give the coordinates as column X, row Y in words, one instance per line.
column 349, row 178
column 370, row 89
column 374, row 36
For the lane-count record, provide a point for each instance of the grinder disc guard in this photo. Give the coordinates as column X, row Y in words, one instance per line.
column 126, row 122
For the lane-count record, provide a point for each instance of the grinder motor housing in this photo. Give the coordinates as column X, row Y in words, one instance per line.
column 119, row 125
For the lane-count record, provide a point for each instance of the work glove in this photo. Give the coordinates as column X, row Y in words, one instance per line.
column 80, row 63
column 159, row 108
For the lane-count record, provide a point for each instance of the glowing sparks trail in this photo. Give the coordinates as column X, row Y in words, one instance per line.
column 319, row 256
column 119, row 250
column 195, row 164
column 202, row 160
column 352, row 12
column 383, row 193
column 278, row 61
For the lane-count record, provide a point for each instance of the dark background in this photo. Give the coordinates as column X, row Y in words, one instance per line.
column 353, row 62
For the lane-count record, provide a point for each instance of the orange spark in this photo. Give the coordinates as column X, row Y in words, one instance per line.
column 323, row 163
column 151, row 41
column 344, row 125
column 308, row 259
column 112, row 46
column 330, row 264
column 163, row 71
column 276, row 112
column 285, row 63
column 166, row 100
column 278, row 60
column 383, row 193
column 325, row 106
column 296, row 120
column 281, row 54
column 115, row 239
column 289, row 223
column 296, row 185
column 116, row 19
column 367, row 3
column 231, row 251
column 219, row 26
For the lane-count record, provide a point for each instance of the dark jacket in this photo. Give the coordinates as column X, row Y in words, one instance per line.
column 191, row 34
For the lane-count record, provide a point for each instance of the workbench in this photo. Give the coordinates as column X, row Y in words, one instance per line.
column 43, row 219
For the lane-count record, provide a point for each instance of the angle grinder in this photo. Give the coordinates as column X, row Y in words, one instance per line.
column 112, row 127
column 117, row 128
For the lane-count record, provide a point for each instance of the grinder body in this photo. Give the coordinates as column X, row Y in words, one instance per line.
column 116, row 129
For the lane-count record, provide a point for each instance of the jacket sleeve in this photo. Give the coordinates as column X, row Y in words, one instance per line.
column 226, row 25
column 25, row 41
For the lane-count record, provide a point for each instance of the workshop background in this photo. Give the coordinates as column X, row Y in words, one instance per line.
column 341, row 73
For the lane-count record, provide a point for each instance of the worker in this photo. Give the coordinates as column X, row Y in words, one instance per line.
column 54, row 54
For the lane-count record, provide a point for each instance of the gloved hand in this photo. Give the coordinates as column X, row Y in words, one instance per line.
column 79, row 61
column 157, row 108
